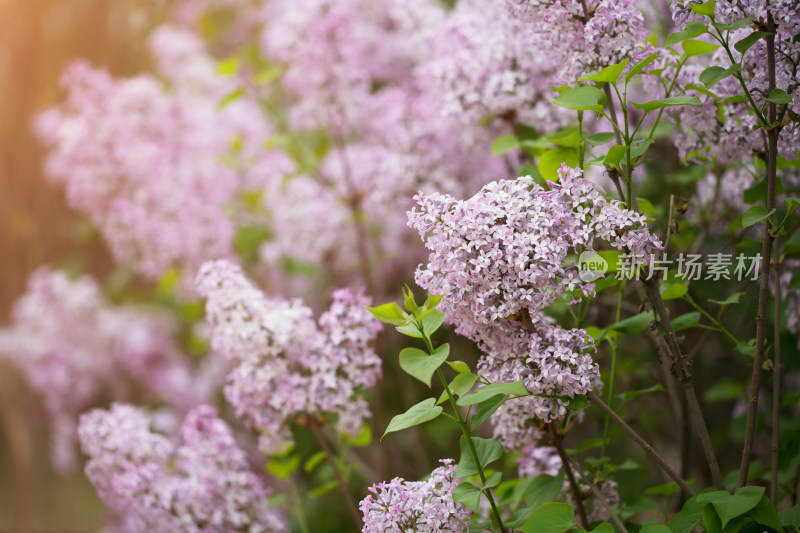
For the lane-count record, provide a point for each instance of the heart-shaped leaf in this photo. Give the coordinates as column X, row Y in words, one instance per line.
column 420, row 413
column 420, row 365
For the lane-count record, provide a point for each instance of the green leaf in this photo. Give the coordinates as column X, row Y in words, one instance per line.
column 493, row 480
column 605, row 527
column 582, row 99
column 705, row 9
column 637, row 68
column 655, row 528
column 283, row 467
column 747, row 347
column 791, row 517
column 668, row 102
column 459, row 366
column 732, row 299
column 544, row 489
column 639, row 148
column 689, row 517
column 713, row 75
column 314, row 461
column 745, row 44
column 614, row 155
column 672, row 291
column 567, row 137
column 724, row 390
column 550, row 518
column 599, row 138
column 420, row 365
column 231, row 97
column 697, row 48
column 432, row 321
column 686, row 321
column 229, row 66
column 420, row 413
column 362, row 439
column 758, row 193
column 390, row 314
column 693, row 29
column 663, row 490
column 609, row 74
column 485, row 409
column 794, row 281
column 779, row 96
column 517, row 388
column 764, row 513
column 488, row 451
column 460, row 385
column 468, row 494
column 551, row 161
column 630, row 395
column 408, row 300
column 741, row 23
column 729, row 506
column 754, row 215
column 504, row 144
column 633, row 325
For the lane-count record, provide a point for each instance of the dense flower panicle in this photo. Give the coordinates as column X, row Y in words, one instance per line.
column 553, row 363
column 416, row 506
column 483, row 62
column 578, row 42
column 506, row 249
column 75, row 348
column 730, row 133
column 203, row 485
column 145, row 161
column 288, row 364
column 337, row 51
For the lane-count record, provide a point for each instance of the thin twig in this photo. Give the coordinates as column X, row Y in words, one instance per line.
column 776, row 387
column 314, row 425
column 573, row 485
column 648, row 449
column 766, row 254
column 681, row 368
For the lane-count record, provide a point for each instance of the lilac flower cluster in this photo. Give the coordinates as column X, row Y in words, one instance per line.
column 416, row 506
column 203, row 485
column 580, row 37
column 728, row 131
column 506, row 249
column 554, row 364
column 74, row 349
column 536, row 460
column 288, row 365
column 484, row 63
column 145, row 161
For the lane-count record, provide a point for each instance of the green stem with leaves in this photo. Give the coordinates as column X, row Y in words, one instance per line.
column 462, row 423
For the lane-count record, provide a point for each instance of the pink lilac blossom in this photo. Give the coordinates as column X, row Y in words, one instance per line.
column 583, row 37
column 416, row 506
column 75, row 349
column 483, row 62
column 203, row 485
column 729, row 133
column 506, row 250
column 337, row 52
column 288, row 364
column 553, row 363
column 146, row 161
column 535, row 460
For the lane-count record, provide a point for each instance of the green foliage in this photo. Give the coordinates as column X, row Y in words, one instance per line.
column 424, row 411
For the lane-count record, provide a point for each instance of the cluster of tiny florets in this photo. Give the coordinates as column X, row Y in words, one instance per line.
column 288, row 364
column 75, row 348
column 202, row 486
column 416, row 506
column 507, row 249
column 554, row 364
